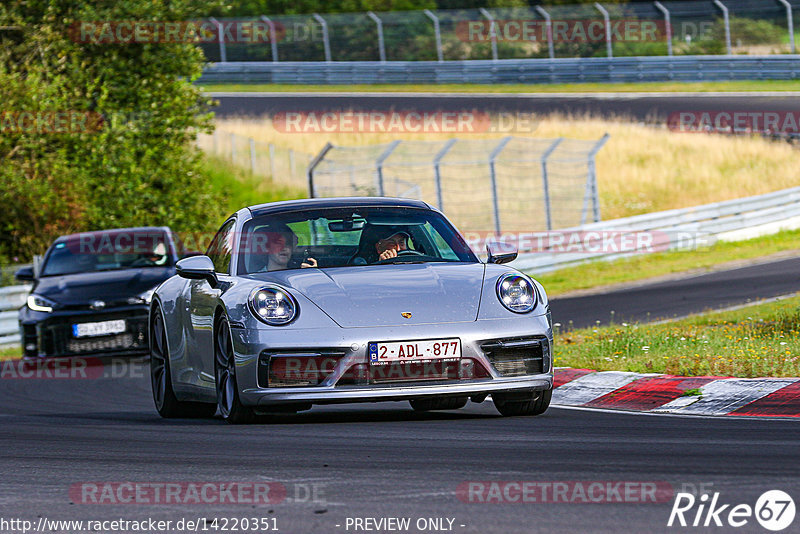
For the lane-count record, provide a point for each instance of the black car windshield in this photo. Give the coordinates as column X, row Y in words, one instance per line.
column 107, row 251
column 340, row 237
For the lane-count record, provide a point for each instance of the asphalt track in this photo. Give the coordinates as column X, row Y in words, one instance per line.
column 649, row 107
column 374, row 460
column 384, row 460
column 680, row 297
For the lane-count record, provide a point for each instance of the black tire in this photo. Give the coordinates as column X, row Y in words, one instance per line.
column 529, row 403
column 228, row 401
column 167, row 405
column 446, row 403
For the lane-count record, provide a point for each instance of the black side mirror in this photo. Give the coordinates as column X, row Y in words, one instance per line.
column 191, row 253
column 197, row 268
column 501, row 253
column 25, row 274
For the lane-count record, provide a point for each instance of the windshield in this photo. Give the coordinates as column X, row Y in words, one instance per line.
column 107, row 251
column 349, row 237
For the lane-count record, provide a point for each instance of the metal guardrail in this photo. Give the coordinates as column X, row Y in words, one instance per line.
column 730, row 220
column 566, row 70
column 11, row 298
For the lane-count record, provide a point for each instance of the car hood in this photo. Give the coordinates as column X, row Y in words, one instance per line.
column 108, row 286
column 377, row 295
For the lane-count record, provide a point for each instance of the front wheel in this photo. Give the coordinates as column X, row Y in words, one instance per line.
column 228, row 401
column 528, row 403
column 167, row 405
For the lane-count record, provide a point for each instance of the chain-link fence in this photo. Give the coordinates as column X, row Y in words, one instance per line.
column 510, row 184
column 282, row 165
column 561, row 31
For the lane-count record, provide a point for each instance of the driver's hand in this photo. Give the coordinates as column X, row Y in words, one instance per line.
column 310, row 262
column 388, row 253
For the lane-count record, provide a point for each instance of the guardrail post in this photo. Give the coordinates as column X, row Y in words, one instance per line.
column 492, row 31
column 252, row 155
column 493, row 176
column 273, row 37
column 607, row 20
column 727, row 22
column 667, row 25
column 379, row 165
column 223, row 56
column 313, row 165
column 326, row 43
column 789, row 22
column 381, row 44
column 436, row 172
column 437, row 33
column 548, row 24
column 591, row 183
column 545, row 182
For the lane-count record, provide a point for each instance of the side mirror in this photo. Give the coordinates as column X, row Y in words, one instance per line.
column 25, row 274
column 197, row 268
column 501, row 253
column 191, row 253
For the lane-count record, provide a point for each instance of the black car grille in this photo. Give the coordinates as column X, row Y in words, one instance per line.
column 297, row 367
column 56, row 338
column 518, row 356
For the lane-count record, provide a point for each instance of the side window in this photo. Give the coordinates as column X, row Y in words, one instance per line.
column 220, row 248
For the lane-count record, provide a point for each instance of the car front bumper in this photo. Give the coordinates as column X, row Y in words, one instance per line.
column 350, row 344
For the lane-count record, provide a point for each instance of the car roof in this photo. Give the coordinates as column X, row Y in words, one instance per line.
column 95, row 233
column 336, row 202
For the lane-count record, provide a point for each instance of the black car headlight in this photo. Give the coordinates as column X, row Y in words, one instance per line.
column 40, row 304
column 516, row 293
column 273, row 305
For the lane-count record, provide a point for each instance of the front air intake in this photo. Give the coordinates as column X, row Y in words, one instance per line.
column 296, row 368
column 518, row 356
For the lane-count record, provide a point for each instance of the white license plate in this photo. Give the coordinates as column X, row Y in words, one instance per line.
column 103, row 328
column 414, row 351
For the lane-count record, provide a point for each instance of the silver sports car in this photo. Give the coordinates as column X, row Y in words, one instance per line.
column 344, row 300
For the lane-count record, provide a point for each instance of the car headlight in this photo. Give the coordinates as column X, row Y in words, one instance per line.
column 273, row 305
column 40, row 304
column 516, row 293
column 142, row 298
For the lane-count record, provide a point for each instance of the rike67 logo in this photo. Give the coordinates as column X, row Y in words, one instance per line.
column 774, row 510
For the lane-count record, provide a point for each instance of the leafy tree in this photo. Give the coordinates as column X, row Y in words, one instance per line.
column 133, row 162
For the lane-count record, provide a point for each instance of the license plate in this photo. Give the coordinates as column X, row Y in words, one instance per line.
column 414, row 351
column 103, row 328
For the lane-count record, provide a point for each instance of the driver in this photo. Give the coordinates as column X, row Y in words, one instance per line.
column 391, row 245
column 278, row 241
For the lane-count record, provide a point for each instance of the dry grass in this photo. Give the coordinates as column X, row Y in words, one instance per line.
column 641, row 169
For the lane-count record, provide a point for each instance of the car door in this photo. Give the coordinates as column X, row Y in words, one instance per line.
column 202, row 301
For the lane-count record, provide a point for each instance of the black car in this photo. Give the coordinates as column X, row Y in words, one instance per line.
column 92, row 292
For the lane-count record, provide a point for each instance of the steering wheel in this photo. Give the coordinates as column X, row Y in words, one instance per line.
column 406, row 252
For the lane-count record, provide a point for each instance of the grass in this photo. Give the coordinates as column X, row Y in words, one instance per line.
column 760, row 340
column 669, row 87
column 640, row 170
column 10, row 353
column 240, row 188
column 640, row 267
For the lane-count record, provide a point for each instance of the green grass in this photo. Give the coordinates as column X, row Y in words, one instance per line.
column 669, row 87
column 11, row 353
column 240, row 188
column 641, row 267
column 759, row 340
